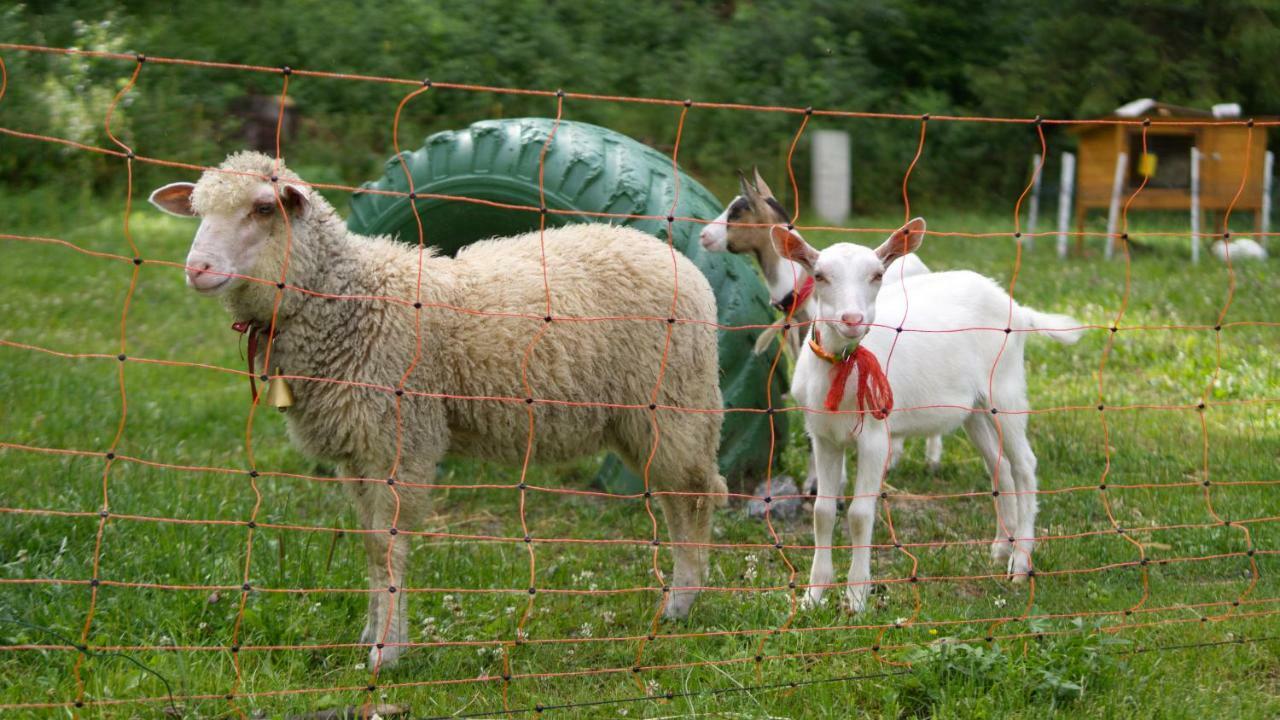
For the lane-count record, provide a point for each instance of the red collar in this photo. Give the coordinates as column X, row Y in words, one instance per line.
column 874, row 394
column 796, row 299
column 254, row 330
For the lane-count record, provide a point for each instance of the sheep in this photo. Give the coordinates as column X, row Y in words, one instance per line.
column 743, row 228
column 1240, row 249
column 939, row 381
column 260, row 221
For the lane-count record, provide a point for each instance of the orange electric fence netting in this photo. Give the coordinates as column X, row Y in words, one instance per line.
column 1239, row 606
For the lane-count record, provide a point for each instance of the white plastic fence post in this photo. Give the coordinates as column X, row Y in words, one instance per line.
column 1195, row 204
column 1268, row 164
column 1033, row 211
column 1113, row 213
column 1065, row 193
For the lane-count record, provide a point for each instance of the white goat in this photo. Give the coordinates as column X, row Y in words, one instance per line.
column 743, row 229
column 400, row 312
column 940, row 381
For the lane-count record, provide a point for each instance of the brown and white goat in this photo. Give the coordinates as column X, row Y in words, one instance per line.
column 743, row 229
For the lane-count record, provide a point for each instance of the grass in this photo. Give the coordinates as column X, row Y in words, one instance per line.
column 62, row 300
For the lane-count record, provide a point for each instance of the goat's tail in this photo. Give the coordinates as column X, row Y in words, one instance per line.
column 766, row 339
column 1063, row 328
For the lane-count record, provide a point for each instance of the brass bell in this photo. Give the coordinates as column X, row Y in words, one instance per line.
column 279, row 396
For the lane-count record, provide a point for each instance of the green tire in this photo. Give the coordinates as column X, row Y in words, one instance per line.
column 589, row 169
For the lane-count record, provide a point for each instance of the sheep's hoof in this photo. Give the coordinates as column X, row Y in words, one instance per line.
column 678, row 606
column 855, row 599
column 933, row 466
column 386, row 657
column 812, row 599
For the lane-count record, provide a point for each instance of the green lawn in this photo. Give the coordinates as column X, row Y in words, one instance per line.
column 65, row 301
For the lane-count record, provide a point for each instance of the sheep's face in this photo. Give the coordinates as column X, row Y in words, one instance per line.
column 847, row 277
column 232, row 236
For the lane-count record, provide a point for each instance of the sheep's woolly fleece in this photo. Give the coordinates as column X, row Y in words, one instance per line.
column 591, row 270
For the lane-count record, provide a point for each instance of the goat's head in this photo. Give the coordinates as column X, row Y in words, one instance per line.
column 243, row 219
column 754, row 205
column 847, row 277
column 743, row 228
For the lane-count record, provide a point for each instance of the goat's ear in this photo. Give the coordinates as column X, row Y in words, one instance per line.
column 745, row 188
column 791, row 246
column 905, row 239
column 296, row 199
column 174, row 198
column 761, row 185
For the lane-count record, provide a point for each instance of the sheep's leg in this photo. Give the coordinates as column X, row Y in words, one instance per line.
column 873, row 445
column 829, row 458
column 1023, row 460
column 383, row 507
column 933, row 452
column 689, row 528
column 364, row 513
column 982, row 433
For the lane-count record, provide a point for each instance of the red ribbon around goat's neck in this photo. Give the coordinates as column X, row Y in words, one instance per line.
column 799, row 297
column 253, row 330
column 874, row 394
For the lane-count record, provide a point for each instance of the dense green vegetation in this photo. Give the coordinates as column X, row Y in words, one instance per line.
column 1071, row 59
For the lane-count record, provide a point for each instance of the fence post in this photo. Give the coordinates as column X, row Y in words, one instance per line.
column 1268, row 164
column 1195, row 204
column 1065, row 188
column 1113, row 213
column 1033, row 211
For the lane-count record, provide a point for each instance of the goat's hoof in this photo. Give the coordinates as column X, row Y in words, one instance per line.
column 1001, row 550
column 812, row 599
column 855, row 599
column 1019, row 567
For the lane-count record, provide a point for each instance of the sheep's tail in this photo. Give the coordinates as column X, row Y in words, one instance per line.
column 721, row 490
column 1063, row 328
column 766, row 338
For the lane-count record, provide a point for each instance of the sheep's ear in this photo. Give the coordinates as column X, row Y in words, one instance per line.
column 905, row 239
column 174, row 198
column 296, row 199
column 791, row 246
column 761, row 185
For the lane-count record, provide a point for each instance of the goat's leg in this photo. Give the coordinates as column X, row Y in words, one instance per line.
column 899, row 443
column 829, row 459
column 1023, row 460
column 873, row 445
column 982, row 433
column 933, row 452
